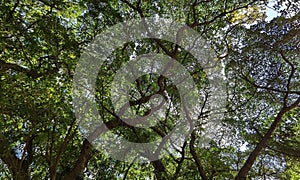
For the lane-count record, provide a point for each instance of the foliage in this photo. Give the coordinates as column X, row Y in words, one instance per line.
column 41, row 43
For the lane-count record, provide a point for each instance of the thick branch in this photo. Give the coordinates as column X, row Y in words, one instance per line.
column 5, row 66
column 195, row 156
column 159, row 169
column 14, row 164
column 81, row 162
column 263, row 143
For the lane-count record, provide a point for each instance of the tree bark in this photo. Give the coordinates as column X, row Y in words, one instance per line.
column 263, row 143
column 81, row 163
column 159, row 169
column 195, row 157
column 18, row 167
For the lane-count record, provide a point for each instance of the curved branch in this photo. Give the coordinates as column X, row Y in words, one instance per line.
column 196, row 158
column 263, row 143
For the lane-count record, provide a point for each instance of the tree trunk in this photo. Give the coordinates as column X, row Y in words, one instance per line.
column 263, row 143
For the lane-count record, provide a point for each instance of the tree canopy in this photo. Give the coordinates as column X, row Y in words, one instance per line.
column 256, row 133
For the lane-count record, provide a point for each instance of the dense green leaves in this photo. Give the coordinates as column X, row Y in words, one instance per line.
column 40, row 45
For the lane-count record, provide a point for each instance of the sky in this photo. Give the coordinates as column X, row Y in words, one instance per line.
column 271, row 13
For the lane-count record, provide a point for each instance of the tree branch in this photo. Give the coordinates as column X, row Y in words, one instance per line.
column 195, row 156
column 7, row 155
column 263, row 143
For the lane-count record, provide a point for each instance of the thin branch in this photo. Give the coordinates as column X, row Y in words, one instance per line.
column 290, row 77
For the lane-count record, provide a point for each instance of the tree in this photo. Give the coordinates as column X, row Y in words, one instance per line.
column 42, row 41
column 267, row 63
